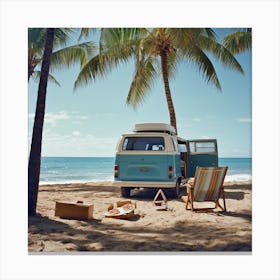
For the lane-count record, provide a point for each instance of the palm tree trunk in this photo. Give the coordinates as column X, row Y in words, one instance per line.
column 34, row 164
column 172, row 116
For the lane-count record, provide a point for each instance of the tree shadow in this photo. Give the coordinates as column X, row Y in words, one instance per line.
column 241, row 187
column 98, row 235
column 120, row 238
column 243, row 215
column 144, row 194
column 149, row 194
column 234, row 195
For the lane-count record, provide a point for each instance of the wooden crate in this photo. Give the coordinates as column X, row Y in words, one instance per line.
column 77, row 210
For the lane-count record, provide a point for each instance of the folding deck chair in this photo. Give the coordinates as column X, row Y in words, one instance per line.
column 207, row 185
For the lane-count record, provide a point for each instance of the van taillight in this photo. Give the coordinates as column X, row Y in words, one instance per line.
column 170, row 169
column 116, row 171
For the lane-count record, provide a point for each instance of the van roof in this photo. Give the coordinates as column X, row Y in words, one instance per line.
column 146, row 134
column 154, row 127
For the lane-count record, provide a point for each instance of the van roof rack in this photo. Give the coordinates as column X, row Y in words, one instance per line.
column 154, row 127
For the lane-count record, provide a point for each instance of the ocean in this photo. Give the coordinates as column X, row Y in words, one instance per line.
column 92, row 169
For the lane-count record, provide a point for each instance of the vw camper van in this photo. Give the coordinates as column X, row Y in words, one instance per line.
column 153, row 156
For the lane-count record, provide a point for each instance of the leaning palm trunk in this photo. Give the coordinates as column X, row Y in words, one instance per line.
column 36, row 144
column 172, row 116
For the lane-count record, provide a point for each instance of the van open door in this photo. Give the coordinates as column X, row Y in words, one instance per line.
column 201, row 152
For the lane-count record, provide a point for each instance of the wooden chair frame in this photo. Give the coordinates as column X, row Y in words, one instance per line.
column 190, row 190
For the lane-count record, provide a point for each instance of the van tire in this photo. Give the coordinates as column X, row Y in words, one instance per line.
column 125, row 192
column 176, row 190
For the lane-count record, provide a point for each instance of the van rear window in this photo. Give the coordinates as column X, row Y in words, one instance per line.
column 143, row 144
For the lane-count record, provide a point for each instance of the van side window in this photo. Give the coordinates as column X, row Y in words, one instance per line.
column 143, row 144
column 202, row 147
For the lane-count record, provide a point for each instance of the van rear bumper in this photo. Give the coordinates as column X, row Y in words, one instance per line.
column 143, row 184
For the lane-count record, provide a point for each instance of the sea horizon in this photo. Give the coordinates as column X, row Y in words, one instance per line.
column 62, row 170
column 113, row 157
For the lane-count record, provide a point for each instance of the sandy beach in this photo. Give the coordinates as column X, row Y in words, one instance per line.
column 149, row 230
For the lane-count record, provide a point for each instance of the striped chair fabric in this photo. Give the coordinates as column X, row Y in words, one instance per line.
column 207, row 186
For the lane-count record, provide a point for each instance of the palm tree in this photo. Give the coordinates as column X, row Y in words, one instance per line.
column 157, row 51
column 62, row 55
column 40, row 51
column 35, row 151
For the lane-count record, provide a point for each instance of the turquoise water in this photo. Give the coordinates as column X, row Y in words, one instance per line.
column 92, row 169
column 240, row 169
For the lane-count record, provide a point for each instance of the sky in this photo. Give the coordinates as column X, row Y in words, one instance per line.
column 89, row 121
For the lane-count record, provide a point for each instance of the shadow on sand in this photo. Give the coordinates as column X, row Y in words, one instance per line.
column 100, row 237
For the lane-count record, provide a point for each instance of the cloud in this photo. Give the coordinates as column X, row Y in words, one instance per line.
column 244, row 120
column 76, row 133
column 196, row 119
column 54, row 118
column 76, row 143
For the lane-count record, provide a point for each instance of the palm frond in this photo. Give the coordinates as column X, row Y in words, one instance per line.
column 113, row 36
column 89, row 72
column 36, row 77
column 204, row 64
column 62, row 36
column 36, row 39
column 68, row 56
column 143, row 79
column 221, row 53
column 103, row 63
column 60, row 57
column 172, row 62
column 116, row 46
column 184, row 38
column 210, row 33
column 238, row 42
column 85, row 33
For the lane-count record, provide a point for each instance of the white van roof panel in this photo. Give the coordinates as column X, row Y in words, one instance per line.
column 154, row 127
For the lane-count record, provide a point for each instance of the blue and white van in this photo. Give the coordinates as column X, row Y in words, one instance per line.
column 153, row 156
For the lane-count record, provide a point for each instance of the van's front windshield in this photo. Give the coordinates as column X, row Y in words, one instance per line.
column 143, row 144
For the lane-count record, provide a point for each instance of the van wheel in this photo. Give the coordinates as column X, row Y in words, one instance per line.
column 176, row 190
column 125, row 192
